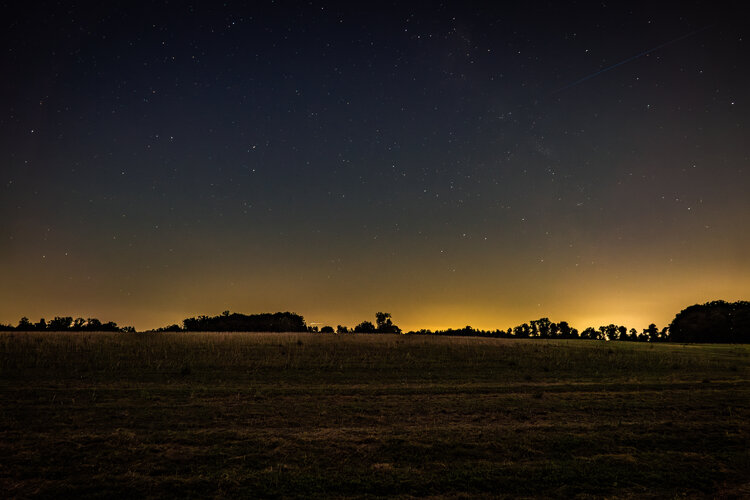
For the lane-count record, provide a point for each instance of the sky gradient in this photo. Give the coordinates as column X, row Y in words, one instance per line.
column 451, row 163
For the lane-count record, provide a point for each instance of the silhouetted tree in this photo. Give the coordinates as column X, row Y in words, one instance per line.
column 341, row 329
column 664, row 334
column 326, row 329
column 41, row 325
column 622, row 333
column 590, row 333
column 522, row 331
column 608, row 332
column 93, row 325
column 384, row 323
column 110, row 326
column 652, row 333
column 633, row 335
column 60, row 324
column 564, row 330
column 364, row 327
column 24, row 325
column 170, row 328
column 540, row 328
column 554, row 330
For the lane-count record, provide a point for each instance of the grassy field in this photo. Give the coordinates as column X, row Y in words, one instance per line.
column 304, row 415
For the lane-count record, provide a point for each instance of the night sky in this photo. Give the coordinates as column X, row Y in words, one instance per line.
column 451, row 163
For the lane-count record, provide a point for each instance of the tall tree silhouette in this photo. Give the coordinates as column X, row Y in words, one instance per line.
column 385, row 324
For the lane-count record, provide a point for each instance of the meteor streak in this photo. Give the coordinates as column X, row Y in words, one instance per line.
column 592, row 75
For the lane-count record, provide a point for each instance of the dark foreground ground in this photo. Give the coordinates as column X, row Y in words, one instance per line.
column 281, row 415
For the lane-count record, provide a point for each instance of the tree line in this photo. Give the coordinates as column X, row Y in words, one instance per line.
column 712, row 322
column 543, row 328
column 383, row 324
column 66, row 324
column 275, row 322
column 717, row 322
column 236, row 322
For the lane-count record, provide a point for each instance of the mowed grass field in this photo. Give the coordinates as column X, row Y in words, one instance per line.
column 207, row 415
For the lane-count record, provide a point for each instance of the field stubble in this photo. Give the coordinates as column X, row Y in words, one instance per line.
column 286, row 415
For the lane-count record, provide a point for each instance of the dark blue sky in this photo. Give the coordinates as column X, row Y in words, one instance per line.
column 451, row 162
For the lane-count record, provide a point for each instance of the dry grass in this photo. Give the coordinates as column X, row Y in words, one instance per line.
column 289, row 415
